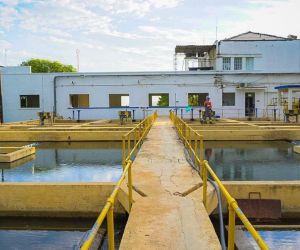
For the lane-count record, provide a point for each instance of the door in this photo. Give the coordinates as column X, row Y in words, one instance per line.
column 249, row 104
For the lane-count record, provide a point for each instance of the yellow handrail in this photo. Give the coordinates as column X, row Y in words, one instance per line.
column 108, row 210
column 185, row 132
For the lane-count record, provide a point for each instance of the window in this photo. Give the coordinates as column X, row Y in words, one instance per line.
column 79, row 101
column 29, row 101
column 118, row 100
column 237, row 63
column 226, row 63
column 196, row 99
column 159, row 100
column 228, row 99
column 249, row 63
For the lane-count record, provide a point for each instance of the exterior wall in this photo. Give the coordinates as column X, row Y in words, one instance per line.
column 138, row 86
column 269, row 56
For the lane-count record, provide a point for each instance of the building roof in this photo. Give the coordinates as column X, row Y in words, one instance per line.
column 254, row 36
column 193, row 49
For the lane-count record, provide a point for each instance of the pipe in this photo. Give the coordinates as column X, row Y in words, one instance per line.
column 221, row 220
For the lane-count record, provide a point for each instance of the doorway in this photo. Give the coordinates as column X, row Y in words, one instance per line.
column 249, row 104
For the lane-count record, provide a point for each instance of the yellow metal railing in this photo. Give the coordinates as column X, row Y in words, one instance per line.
column 137, row 135
column 188, row 134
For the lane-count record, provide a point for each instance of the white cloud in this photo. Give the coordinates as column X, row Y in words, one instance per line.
column 137, row 7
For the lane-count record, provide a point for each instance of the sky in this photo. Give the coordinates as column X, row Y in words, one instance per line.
column 131, row 35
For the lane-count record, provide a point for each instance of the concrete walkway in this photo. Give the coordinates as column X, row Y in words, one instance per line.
column 163, row 219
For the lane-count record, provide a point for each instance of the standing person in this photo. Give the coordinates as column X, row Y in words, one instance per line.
column 208, row 108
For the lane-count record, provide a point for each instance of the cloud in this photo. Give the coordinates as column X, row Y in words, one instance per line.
column 137, row 7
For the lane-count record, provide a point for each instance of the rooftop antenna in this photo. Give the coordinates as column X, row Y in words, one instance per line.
column 5, row 57
column 216, row 28
column 77, row 57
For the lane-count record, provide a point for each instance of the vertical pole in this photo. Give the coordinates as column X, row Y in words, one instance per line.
column 195, row 149
column 189, row 140
column 204, row 179
column 201, row 156
column 130, row 199
column 123, row 151
column 128, row 145
column 110, row 228
column 134, row 133
column 231, row 227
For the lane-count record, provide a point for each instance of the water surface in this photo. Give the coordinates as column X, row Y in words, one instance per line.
column 250, row 160
column 67, row 162
column 277, row 239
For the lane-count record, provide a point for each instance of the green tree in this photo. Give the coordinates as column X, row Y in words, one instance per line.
column 163, row 100
column 44, row 66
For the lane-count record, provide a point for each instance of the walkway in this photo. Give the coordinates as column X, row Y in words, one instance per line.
column 164, row 219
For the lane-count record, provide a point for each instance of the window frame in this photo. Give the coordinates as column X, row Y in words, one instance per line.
column 70, row 101
column 200, row 102
column 238, row 63
column 150, row 95
column 119, row 95
column 223, row 97
column 30, row 107
column 226, row 63
column 247, row 64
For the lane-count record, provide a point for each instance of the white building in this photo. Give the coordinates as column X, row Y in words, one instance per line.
column 240, row 79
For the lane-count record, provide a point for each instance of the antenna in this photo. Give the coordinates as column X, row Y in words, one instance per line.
column 5, row 57
column 77, row 57
column 216, row 28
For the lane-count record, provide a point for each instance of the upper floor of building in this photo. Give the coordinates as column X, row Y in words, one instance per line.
column 245, row 52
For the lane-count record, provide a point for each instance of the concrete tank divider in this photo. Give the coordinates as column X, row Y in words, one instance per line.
column 286, row 191
column 55, row 199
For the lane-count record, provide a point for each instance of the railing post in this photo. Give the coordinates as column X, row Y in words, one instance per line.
column 231, row 227
column 135, row 139
column 195, row 149
column 190, row 139
column 128, row 145
column 110, row 228
column 201, row 156
column 204, row 179
column 130, row 199
column 123, row 151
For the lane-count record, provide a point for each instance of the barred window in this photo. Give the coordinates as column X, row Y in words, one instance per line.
column 226, row 63
column 237, row 63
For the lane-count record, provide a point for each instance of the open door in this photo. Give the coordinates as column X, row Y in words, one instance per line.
column 249, row 104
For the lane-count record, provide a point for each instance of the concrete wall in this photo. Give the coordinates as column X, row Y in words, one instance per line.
column 271, row 56
column 54, row 200
column 286, row 191
column 138, row 86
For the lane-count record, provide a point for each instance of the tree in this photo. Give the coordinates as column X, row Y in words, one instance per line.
column 44, row 66
column 163, row 100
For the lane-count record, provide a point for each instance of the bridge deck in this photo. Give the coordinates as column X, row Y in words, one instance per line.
column 164, row 219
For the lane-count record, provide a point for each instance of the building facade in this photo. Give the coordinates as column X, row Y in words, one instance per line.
column 240, row 75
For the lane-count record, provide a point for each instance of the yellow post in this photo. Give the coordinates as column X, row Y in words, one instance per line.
column 201, row 156
column 135, row 140
column 128, row 145
column 130, row 199
column 204, row 179
column 231, row 227
column 110, row 228
column 123, row 151
column 195, row 150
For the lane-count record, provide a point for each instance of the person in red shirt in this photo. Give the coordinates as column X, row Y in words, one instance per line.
column 208, row 108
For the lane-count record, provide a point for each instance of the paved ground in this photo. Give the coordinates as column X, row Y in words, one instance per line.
column 163, row 219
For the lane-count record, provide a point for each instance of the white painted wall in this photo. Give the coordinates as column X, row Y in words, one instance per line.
column 138, row 86
column 269, row 56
